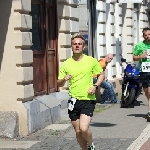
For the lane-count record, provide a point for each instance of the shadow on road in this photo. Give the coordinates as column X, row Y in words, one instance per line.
column 137, row 115
column 138, row 103
column 102, row 124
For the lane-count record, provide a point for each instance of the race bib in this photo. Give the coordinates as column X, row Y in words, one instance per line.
column 71, row 103
column 145, row 66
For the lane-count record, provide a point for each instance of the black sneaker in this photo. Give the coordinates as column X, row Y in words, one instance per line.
column 148, row 117
column 115, row 102
column 106, row 102
column 92, row 147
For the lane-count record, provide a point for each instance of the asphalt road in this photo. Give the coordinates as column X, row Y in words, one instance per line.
column 116, row 128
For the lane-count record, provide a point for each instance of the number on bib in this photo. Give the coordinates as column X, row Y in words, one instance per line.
column 71, row 103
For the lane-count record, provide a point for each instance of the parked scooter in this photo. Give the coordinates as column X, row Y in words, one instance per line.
column 131, row 85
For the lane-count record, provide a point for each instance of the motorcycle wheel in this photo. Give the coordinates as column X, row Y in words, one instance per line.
column 126, row 101
column 131, row 96
column 123, row 102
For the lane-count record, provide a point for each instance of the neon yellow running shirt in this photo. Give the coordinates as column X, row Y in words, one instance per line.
column 81, row 73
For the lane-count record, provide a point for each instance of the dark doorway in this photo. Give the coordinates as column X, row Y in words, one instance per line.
column 44, row 39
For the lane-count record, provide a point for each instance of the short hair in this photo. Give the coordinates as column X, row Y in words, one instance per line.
column 145, row 29
column 109, row 54
column 77, row 35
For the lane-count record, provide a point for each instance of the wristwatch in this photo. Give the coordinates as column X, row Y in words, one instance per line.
column 96, row 86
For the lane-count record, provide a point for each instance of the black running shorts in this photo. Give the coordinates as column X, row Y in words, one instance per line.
column 145, row 79
column 82, row 107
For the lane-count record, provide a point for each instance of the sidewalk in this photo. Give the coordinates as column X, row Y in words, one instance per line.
column 146, row 145
column 143, row 141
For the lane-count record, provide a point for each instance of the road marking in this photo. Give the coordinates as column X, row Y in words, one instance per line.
column 141, row 139
column 17, row 144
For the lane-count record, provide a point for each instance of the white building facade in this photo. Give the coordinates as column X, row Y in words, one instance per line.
column 118, row 29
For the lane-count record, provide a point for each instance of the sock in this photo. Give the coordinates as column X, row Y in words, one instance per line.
column 91, row 145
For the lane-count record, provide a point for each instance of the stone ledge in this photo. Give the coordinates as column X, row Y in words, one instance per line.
column 46, row 108
column 22, row 5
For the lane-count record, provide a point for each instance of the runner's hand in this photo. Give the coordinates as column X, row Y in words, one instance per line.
column 92, row 90
column 67, row 77
column 144, row 55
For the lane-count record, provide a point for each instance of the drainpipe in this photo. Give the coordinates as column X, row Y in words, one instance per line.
column 91, row 8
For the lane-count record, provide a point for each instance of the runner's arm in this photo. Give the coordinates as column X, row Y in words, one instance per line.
column 100, row 79
column 136, row 58
column 61, row 82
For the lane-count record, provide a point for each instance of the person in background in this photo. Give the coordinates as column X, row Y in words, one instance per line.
column 140, row 53
column 109, row 92
column 78, row 70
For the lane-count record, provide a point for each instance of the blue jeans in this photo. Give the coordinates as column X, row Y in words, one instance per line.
column 108, row 91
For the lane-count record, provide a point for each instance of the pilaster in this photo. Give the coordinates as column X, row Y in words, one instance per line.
column 118, row 34
column 112, row 66
column 101, row 29
column 143, row 19
column 24, row 56
column 128, row 31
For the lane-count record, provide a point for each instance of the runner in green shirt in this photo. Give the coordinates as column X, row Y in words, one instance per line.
column 78, row 70
column 141, row 53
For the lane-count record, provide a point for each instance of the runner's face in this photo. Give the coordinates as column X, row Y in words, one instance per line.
column 77, row 45
column 146, row 35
